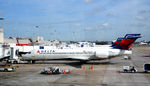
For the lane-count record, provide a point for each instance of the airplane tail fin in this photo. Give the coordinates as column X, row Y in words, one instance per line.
column 126, row 42
column 117, row 42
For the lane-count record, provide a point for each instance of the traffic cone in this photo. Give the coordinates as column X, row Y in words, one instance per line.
column 64, row 72
column 89, row 67
column 17, row 66
column 92, row 67
column 83, row 67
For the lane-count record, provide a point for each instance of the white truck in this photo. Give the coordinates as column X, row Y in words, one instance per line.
column 127, row 57
column 130, row 69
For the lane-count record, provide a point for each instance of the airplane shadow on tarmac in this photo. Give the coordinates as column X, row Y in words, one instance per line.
column 146, row 56
column 76, row 64
column 139, row 72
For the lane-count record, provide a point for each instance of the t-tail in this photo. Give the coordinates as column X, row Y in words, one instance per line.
column 126, row 42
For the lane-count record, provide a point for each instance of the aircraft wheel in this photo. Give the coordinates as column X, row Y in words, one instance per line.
column 33, row 61
column 15, row 62
column 5, row 70
column 83, row 62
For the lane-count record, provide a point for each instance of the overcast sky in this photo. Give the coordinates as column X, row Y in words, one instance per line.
column 75, row 19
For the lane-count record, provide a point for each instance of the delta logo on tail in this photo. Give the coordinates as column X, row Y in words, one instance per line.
column 126, row 42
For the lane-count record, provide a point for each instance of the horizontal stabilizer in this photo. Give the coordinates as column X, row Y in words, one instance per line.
column 132, row 36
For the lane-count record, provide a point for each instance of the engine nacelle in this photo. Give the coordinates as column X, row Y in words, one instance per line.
column 107, row 53
column 102, row 54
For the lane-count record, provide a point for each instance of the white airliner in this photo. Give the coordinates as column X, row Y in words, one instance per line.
column 120, row 47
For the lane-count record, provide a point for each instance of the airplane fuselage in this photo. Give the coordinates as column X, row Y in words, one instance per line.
column 88, row 53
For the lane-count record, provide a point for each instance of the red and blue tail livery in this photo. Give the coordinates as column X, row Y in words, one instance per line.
column 126, row 42
column 117, row 41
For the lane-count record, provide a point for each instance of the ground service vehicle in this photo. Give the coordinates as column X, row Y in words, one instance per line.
column 7, row 67
column 129, row 69
column 147, row 67
column 54, row 70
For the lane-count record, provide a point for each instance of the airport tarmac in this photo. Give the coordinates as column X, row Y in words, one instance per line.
column 104, row 73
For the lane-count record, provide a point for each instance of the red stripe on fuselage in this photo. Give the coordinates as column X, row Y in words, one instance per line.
column 22, row 44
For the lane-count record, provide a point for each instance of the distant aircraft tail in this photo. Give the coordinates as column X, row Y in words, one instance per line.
column 126, row 42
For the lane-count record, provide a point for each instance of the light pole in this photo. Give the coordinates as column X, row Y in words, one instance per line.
column 1, row 28
column 36, row 33
column 1, row 31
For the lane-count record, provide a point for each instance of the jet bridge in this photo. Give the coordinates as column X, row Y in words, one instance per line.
column 4, row 51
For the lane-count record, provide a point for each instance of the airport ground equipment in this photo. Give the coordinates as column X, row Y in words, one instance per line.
column 129, row 69
column 127, row 57
column 54, row 70
column 7, row 67
column 146, row 67
column 13, row 55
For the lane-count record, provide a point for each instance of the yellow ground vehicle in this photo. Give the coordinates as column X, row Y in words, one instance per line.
column 7, row 67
